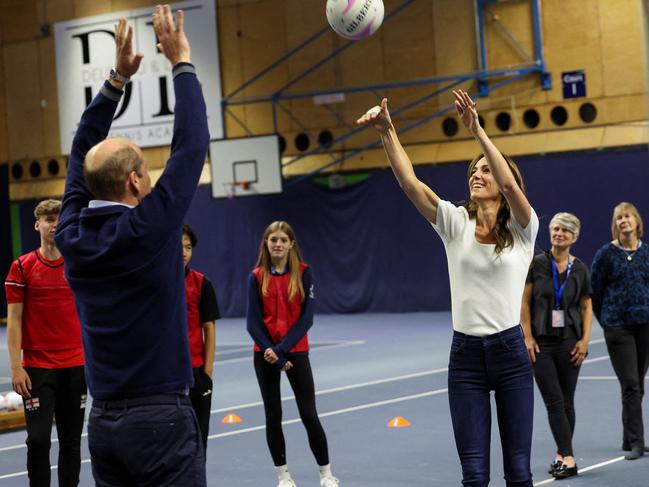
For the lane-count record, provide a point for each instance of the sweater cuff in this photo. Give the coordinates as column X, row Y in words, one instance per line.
column 278, row 351
column 110, row 92
column 181, row 68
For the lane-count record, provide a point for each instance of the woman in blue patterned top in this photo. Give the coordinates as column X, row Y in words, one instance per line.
column 620, row 281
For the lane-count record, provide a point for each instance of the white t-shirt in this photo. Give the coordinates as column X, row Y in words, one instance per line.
column 486, row 288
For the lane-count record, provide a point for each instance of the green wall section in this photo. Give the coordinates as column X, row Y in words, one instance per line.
column 16, row 243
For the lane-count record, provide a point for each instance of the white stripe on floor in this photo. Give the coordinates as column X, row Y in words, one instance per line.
column 583, row 470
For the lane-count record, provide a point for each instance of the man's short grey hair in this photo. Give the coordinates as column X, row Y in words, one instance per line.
column 567, row 220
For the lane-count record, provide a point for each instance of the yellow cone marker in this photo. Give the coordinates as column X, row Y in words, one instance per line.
column 231, row 418
column 398, row 422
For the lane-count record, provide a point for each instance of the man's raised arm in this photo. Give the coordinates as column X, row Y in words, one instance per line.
column 176, row 187
column 95, row 124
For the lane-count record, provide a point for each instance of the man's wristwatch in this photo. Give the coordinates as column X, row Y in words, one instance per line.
column 115, row 76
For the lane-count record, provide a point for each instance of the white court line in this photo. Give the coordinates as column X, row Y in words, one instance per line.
column 337, row 389
column 335, row 413
column 21, row 474
column 324, row 391
column 582, row 470
column 596, row 359
column 291, row 421
column 286, row 398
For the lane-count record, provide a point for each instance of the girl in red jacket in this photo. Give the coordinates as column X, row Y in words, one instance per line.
column 280, row 313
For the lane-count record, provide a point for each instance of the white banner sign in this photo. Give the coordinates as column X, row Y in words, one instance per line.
column 85, row 52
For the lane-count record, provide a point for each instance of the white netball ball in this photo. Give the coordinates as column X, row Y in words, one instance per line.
column 355, row 19
column 14, row 401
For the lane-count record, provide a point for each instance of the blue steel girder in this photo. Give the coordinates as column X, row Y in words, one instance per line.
column 482, row 76
column 407, row 128
column 481, row 10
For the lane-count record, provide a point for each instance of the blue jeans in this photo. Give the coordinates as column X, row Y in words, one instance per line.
column 152, row 442
column 478, row 365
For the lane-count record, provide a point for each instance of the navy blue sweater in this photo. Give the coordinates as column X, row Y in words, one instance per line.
column 125, row 265
column 621, row 286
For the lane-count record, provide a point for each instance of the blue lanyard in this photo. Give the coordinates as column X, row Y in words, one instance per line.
column 558, row 291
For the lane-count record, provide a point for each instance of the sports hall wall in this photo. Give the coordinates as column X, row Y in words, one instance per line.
column 605, row 38
column 369, row 248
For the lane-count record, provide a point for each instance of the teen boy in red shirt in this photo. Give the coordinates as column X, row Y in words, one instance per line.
column 42, row 322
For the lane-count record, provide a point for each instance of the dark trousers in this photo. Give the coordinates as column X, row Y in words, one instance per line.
column 301, row 379
column 60, row 394
column 201, row 397
column 478, row 365
column 628, row 347
column 557, row 377
column 146, row 442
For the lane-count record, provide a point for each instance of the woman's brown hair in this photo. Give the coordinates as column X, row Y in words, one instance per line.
column 504, row 237
column 294, row 260
column 636, row 214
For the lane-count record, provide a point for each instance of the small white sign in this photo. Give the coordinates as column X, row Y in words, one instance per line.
column 329, row 98
column 85, row 52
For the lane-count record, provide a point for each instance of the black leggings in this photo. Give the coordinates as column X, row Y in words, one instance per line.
column 301, row 380
column 628, row 347
column 556, row 377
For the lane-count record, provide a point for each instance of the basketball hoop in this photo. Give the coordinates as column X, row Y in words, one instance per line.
column 230, row 188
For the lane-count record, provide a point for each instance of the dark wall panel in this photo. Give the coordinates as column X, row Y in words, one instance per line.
column 369, row 248
column 6, row 252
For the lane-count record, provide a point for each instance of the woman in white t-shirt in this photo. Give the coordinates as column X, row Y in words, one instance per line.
column 489, row 246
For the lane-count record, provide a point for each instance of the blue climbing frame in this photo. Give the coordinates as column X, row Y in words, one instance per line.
column 487, row 80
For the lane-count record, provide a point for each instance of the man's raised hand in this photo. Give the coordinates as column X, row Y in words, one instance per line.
column 126, row 62
column 172, row 40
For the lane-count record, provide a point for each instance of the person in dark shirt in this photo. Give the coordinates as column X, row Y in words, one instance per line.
column 43, row 323
column 557, row 315
column 620, row 277
column 123, row 259
column 280, row 313
column 202, row 312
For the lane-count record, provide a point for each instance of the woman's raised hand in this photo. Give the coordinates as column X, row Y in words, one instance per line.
column 377, row 117
column 466, row 111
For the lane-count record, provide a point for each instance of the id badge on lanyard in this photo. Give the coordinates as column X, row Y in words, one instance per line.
column 559, row 315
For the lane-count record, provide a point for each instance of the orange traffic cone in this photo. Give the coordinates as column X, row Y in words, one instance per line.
column 398, row 422
column 231, row 418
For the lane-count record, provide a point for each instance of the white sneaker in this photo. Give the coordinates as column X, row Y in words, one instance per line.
column 329, row 482
column 286, row 483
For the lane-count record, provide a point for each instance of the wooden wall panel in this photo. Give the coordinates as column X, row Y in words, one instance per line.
column 20, row 20
column 622, row 47
column 22, row 85
column 57, row 11
column 572, row 40
column 85, row 8
column 428, row 38
column 515, row 18
column 263, row 39
column 4, row 138
column 49, row 97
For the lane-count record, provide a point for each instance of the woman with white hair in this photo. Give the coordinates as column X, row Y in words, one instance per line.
column 557, row 316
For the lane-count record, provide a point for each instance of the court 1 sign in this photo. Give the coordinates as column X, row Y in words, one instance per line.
column 85, row 52
column 574, row 84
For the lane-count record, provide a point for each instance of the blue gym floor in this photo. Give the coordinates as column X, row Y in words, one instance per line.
column 368, row 369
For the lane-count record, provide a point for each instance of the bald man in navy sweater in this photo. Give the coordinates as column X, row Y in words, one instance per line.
column 121, row 243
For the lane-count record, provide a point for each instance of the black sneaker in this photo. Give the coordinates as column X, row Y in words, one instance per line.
column 554, row 466
column 636, row 452
column 564, row 472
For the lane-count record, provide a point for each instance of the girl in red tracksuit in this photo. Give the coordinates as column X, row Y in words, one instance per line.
column 280, row 312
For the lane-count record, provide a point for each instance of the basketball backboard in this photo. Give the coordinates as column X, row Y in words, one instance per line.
column 245, row 166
